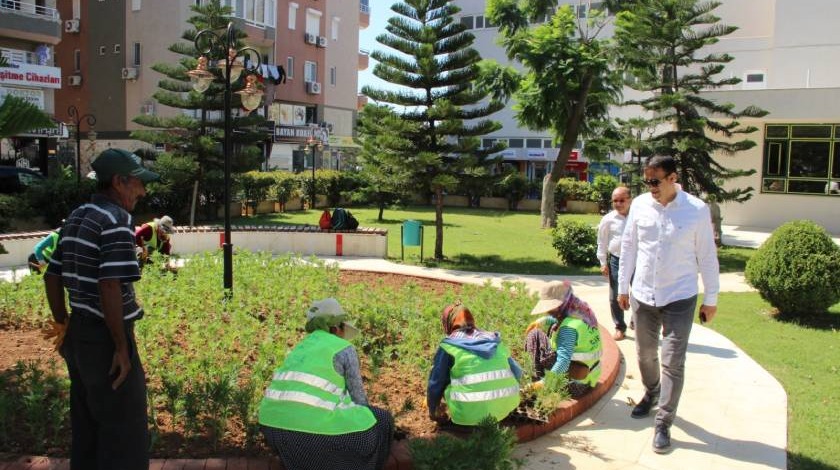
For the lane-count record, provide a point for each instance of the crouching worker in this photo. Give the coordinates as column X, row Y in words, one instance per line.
column 153, row 237
column 473, row 371
column 566, row 339
column 42, row 253
column 315, row 413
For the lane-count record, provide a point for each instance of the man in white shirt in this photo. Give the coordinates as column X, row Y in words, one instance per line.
column 609, row 251
column 667, row 240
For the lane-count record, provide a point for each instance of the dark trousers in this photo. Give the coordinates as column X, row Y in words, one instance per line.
column 674, row 322
column 109, row 427
column 615, row 310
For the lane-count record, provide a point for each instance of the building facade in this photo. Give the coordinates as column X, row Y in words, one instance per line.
column 315, row 42
column 29, row 31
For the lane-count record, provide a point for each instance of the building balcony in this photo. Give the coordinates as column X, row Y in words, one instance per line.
column 364, row 14
column 364, row 59
column 25, row 20
column 23, row 57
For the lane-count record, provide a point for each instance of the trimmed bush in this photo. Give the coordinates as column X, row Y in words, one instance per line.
column 576, row 242
column 797, row 270
column 489, row 447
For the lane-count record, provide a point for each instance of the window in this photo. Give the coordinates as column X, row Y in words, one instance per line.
column 547, row 143
column 136, row 54
column 533, row 143
column 293, row 9
column 77, row 8
column 754, row 80
column 135, row 5
column 117, row 48
column 290, row 67
column 77, row 60
column 801, row 159
column 313, row 22
column 479, row 21
column 468, row 21
column 102, row 50
column 258, row 13
column 334, row 29
column 310, row 72
column 516, row 143
column 487, row 143
column 333, row 75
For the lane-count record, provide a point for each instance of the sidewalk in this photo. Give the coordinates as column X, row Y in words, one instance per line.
column 733, row 414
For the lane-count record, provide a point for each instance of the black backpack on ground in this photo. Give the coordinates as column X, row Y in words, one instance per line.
column 342, row 219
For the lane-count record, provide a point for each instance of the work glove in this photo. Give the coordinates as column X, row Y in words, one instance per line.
column 56, row 332
column 533, row 386
column 141, row 253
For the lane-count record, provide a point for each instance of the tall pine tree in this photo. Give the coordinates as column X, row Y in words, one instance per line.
column 436, row 71
column 194, row 152
column 661, row 43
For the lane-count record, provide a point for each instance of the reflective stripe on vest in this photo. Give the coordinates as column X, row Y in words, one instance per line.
column 586, row 357
column 480, row 377
column 306, row 399
column 309, row 379
column 485, row 396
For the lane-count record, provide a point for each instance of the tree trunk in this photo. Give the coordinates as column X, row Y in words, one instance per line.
column 548, row 217
column 439, row 223
column 381, row 210
column 193, row 204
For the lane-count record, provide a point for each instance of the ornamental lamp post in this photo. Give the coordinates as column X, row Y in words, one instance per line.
column 77, row 120
column 313, row 144
column 230, row 63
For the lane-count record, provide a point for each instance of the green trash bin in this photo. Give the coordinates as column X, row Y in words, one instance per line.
column 411, row 235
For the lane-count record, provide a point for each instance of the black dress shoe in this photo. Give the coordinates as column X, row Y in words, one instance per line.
column 642, row 409
column 662, row 439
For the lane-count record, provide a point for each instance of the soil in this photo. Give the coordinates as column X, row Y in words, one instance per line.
column 395, row 389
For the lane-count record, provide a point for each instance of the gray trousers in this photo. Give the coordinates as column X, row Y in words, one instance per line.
column 674, row 322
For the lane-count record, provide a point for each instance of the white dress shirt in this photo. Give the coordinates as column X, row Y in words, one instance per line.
column 666, row 246
column 609, row 236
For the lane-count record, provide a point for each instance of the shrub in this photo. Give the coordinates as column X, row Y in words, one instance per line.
column 604, row 185
column 576, row 190
column 576, row 242
column 489, row 447
column 285, row 187
column 58, row 195
column 514, row 187
column 797, row 270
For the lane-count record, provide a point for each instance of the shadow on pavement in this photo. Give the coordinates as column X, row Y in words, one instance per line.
column 736, row 449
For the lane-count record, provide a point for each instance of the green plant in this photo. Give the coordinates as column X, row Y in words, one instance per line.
column 285, row 187
column 604, row 185
column 489, row 447
column 575, row 190
column 553, row 392
column 255, row 186
column 58, row 195
column 514, row 187
column 576, row 242
column 797, row 270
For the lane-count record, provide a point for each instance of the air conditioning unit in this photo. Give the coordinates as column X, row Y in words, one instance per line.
column 313, row 88
column 311, row 38
column 75, row 80
column 71, row 26
column 322, row 41
column 129, row 73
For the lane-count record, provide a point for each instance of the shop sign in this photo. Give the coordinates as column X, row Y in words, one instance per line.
column 35, row 97
column 41, row 76
column 300, row 134
column 59, row 131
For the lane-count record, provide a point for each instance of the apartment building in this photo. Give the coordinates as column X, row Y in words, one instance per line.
column 29, row 31
column 783, row 53
column 314, row 41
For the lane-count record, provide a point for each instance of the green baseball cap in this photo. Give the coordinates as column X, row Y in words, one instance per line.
column 121, row 162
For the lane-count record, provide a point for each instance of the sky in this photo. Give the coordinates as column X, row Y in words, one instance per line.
column 380, row 11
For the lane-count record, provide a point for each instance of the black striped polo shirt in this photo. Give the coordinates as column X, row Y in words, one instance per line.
column 97, row 242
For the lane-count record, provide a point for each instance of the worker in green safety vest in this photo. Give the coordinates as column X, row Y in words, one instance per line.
column 565, row 339
column 153, row 237
column 42, row 253
column 315, row 413
column 473, row 371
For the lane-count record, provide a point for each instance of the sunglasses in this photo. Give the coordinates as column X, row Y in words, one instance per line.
column 653, row 182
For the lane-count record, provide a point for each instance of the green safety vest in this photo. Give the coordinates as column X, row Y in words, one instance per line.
column 48, row 251
column 480, row 387
column 306, row 394
column 587, row 349
column 153, row 242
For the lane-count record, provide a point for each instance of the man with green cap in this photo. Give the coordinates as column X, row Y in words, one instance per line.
column 95, row 262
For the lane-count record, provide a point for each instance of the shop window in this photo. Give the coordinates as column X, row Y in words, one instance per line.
column 516, row 143
column 533, row 143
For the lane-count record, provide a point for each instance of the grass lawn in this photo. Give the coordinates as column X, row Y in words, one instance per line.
column 806, row 360
column 478, row 239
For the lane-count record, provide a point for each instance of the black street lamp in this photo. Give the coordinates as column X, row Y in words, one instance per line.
column 313, row 144
column 90, row 119
column 223, row 47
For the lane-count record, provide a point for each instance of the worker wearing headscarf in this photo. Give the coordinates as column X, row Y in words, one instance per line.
column 315, row 413
column 473, row 371
column 566, row 338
